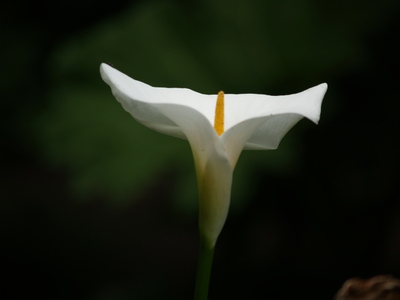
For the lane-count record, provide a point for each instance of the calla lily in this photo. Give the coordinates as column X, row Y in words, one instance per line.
column 218, row 128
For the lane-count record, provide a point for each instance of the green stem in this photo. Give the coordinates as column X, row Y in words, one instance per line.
column 203, row 270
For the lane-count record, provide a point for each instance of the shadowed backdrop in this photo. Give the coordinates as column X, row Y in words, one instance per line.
column 96, row 206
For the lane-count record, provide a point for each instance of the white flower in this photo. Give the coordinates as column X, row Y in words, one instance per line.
column 217, row 133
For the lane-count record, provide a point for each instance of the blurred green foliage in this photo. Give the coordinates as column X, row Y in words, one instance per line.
column 320, row 209
column 202, row 46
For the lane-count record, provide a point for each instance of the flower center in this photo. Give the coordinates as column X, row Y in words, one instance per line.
column 219, row 114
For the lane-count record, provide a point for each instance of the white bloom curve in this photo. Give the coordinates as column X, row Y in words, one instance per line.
column 251, row 122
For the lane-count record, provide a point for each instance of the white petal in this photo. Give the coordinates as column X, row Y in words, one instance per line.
column 213, row 168
column 251, row 122
column 139, row 98
column 264, row 120
column 174, row 111
column 202, row 137
column 262, row 133
column 242, row 107
column 214, row 181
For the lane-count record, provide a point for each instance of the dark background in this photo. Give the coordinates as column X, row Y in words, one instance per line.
column 95, row 206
